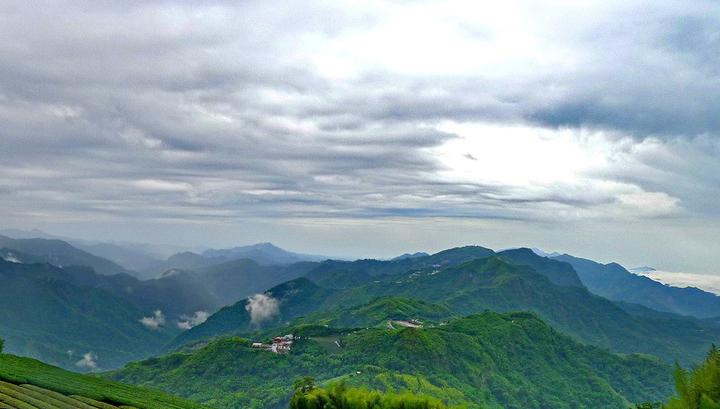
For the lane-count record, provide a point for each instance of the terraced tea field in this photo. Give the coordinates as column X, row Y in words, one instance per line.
column 33, row 397
column 29, row 384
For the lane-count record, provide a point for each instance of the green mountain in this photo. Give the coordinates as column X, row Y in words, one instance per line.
column 557, row 272
column 491, row 360
column 380, row 312
column 233, row 280
column 45, row 313
column 613, row 281
column 59, row 314
column 294, row 299
column 484, row 284
column 344, row 274
column 29, row 384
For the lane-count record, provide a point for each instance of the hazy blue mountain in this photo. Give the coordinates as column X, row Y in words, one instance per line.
column 186, row 260
column 262, row 253
column 61, row 253
column 27, row 234
column 410, row 255
column 131, row 258
column 613, row 281
column 265, row 254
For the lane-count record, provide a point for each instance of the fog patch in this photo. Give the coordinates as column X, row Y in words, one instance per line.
column 155, row 321
column 262, row 307
column 88, row 361
column 187, row 322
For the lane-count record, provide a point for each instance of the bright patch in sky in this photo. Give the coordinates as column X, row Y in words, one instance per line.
column 520, row 155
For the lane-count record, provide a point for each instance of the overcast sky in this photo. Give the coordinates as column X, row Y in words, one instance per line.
column 368, row 128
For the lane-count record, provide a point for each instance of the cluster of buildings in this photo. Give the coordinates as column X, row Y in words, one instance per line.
column 278, row 345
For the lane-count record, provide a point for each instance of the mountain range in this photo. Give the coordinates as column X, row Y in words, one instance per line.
column 468, row 325
column 615, row 282
column 490, row 283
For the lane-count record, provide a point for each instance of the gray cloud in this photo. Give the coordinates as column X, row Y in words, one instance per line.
column 200, row 112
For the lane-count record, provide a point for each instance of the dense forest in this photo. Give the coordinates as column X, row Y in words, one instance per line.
column 339, row 396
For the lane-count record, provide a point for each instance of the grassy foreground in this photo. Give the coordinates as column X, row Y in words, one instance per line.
column 27, row 383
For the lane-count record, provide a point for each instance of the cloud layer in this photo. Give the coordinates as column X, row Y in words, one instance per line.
column 223, row 112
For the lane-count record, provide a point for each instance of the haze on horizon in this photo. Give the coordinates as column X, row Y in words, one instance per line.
column 368, row 129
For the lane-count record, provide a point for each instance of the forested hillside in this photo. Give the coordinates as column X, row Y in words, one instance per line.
column 485, row 360
column 490, row 283
column 45, row 313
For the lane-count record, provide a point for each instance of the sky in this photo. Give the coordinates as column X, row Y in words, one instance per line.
column 362, row 129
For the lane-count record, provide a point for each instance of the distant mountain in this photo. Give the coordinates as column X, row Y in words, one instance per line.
column 261, row 253
column 186, row 260
column 343, row 274
column 46, row 313
column 486, row 360
column 558, row 272
column 616, row 283
column 60, row 253
column 543, row 253
column 410, row 255
column 130, row 258
column 27, row 234
column 489, row 283
column 265, row 254
column 234, row 280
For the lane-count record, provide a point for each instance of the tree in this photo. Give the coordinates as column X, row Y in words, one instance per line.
column 700, row 387
column 2, row 344
column 304, row 384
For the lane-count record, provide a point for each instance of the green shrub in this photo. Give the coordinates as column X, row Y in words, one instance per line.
column 338, row 396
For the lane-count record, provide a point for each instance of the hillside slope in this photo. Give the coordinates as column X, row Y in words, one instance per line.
column 45, row 314
column 491, row 360
column 60, row 253
column 485, row 284
column 25, row 380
